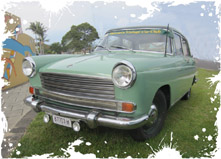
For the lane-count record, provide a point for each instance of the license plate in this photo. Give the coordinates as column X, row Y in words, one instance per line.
column 62, row 121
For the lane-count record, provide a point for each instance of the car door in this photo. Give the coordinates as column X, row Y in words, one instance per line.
column 189, row 64
column 187, row 55
column 181, row 83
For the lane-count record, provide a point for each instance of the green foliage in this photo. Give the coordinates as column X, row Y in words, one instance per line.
column 56, row 48
column 185, row 119
column 40, row 35
column 79, row 38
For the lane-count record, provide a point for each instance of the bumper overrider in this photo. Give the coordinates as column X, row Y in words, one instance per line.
column 92, row 118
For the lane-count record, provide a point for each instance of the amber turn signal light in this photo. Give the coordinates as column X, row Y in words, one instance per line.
column 127, row 107
column 31, row 90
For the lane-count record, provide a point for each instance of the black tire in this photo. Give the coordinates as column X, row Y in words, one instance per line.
column 187, row 95
column 149, row 131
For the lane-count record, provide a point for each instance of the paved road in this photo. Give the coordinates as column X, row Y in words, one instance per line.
column 18, row 116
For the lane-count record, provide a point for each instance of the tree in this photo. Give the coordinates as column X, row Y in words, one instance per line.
column 40, row 34
column 56, row 48
column 79, row 38
column 42, row 37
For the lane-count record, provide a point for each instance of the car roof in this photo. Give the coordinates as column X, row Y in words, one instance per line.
column 144, row 27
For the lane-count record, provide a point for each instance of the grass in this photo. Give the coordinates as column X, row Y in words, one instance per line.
column 186, row 119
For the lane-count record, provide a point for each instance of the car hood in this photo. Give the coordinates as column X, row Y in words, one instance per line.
column 101, row 64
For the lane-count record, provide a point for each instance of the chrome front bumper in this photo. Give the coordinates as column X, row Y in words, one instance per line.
column 92, row 118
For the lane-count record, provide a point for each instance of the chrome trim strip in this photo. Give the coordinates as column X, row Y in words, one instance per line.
column 86, row 105
column 74, row 96
column 123, row 123
column 79, row 75
column 82, row 86
column 92, row 103
column 82, row 89
column 75, row 79
column 104, row 96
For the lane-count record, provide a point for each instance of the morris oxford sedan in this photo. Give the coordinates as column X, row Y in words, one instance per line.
column 128, row 82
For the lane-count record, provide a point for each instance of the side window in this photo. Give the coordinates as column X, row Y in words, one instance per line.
column 186, row 51
column 178, row 44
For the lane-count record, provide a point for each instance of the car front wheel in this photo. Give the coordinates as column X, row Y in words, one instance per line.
column 156, row 120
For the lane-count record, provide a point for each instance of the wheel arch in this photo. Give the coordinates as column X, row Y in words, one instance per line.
column 167, row 92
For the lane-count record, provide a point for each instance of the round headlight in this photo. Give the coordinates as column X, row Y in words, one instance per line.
column 28, row 67
column 124, row 75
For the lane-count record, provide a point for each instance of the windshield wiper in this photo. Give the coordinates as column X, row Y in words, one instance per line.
column 103, row 47
column 122, row 47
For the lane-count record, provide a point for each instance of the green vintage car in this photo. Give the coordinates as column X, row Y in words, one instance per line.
column 129, row 82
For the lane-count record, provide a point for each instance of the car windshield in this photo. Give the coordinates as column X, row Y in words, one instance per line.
column 153, row 40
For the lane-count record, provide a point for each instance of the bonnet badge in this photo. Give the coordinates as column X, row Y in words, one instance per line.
column 69, row 65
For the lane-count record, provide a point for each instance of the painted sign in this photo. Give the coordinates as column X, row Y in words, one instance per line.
column 15, row 48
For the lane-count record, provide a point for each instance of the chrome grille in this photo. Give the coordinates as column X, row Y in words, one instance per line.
column 85, row 86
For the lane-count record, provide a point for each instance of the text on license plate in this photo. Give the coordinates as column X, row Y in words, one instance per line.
column 62, row 121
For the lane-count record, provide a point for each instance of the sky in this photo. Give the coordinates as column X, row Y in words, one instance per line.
column 197, row 21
